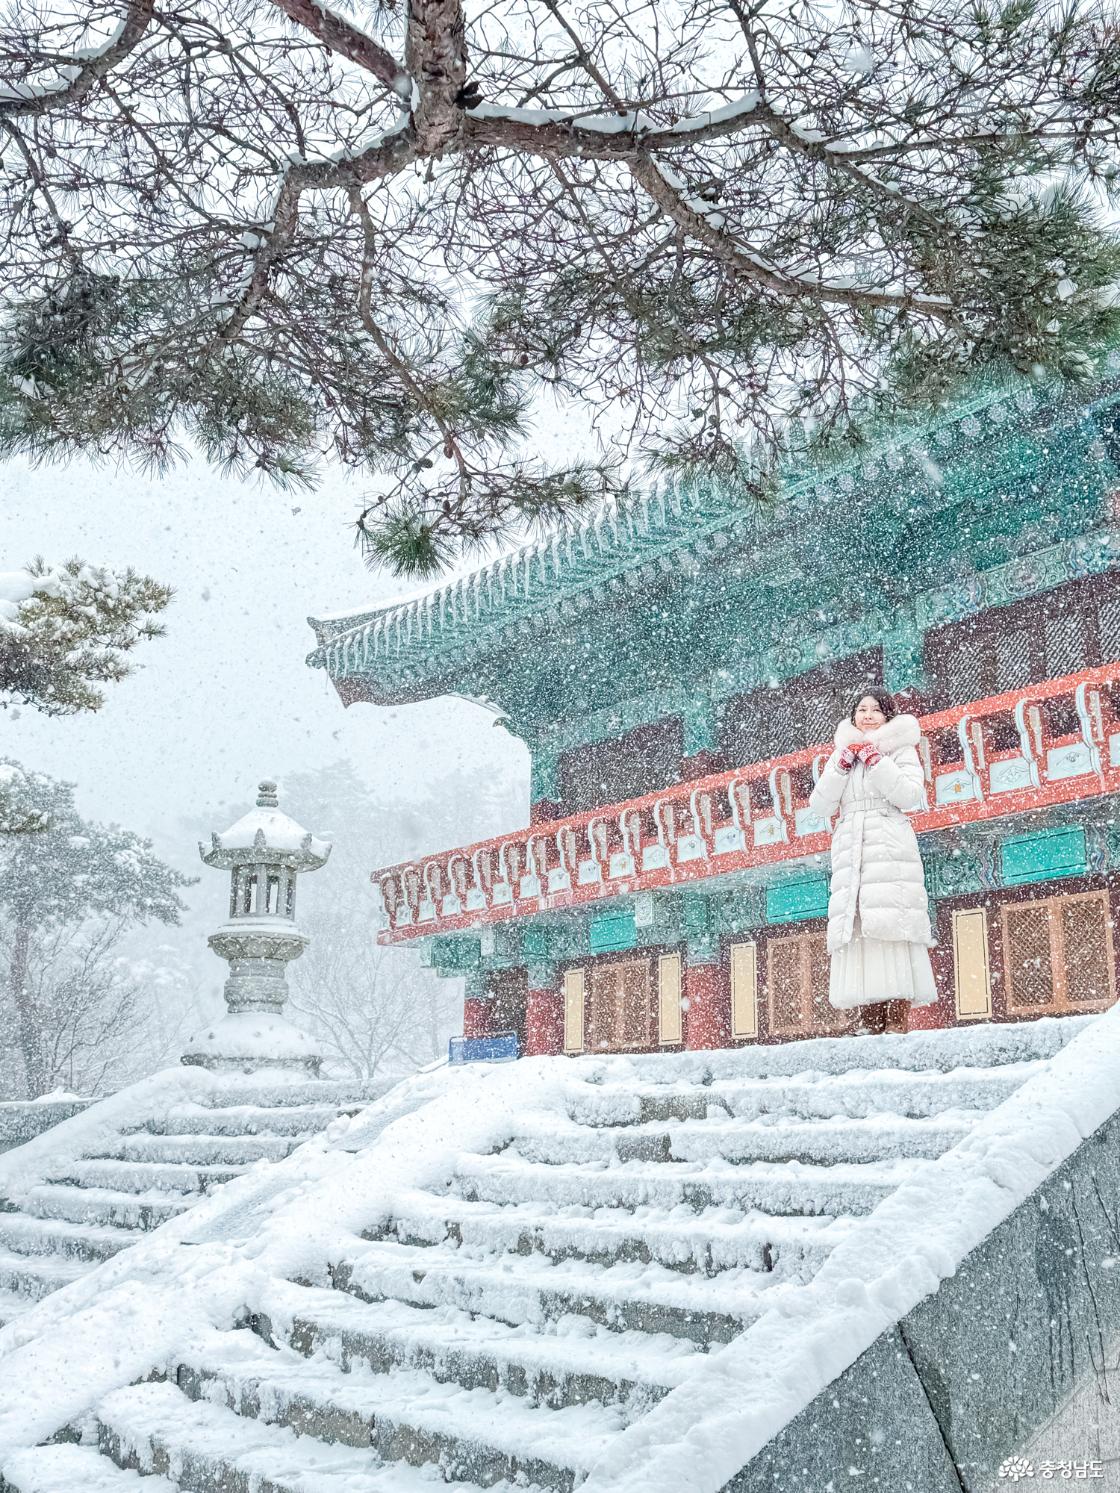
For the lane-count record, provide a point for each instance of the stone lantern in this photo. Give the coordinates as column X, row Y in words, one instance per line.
column 264, row 853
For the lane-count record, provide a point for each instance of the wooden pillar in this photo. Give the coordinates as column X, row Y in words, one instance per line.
column 478, row 1008
column 575, row 989
column 544, row 1013
column 945, row 958
column 707, row 1020
column 476, row 1017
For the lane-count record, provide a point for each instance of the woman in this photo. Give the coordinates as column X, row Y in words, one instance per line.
column 878, row 914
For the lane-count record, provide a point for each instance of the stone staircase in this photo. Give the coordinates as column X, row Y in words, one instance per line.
column 501, row 1329
column 99, row 1201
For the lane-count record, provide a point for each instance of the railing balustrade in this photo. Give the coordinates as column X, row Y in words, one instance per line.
column 1046, row 744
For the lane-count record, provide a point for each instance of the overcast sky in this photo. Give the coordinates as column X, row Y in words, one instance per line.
column 225, row 698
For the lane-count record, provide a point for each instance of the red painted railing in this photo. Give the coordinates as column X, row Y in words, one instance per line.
column 1046, row 744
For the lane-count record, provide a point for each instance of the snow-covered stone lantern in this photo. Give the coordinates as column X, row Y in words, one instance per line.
column 264, row 853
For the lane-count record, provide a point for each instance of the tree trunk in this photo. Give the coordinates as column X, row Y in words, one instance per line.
column 30, row 1037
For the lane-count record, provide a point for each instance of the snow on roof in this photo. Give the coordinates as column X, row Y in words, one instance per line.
column 688, row 518
column 264, row 828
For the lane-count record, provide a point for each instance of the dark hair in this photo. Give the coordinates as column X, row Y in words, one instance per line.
column 881, row 697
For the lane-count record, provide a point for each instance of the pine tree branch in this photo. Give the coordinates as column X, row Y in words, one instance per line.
column 87, row 73
column 347, row 40
column 969, row 140
column 386, row 157
column 694, row 217
column 842, row 162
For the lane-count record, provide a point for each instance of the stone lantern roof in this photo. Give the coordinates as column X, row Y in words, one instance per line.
column 264, row 834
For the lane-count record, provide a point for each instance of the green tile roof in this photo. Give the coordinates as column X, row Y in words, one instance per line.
column 412, row 649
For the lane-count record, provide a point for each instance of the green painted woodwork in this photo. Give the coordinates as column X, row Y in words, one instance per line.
column 536, row 941
column 611, row 932
column 738, row 911
column 454, row 952
column 695, row 914
column 795, row 901
column 1044, row 856
column 544, row 775
column 701, row 725
column 1080, row 839
column 903, row 660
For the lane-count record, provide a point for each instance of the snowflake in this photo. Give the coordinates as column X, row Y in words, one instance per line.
column 1014, row 1468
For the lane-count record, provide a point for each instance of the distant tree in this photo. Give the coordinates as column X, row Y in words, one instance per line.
column 91, row 1014
column 284, row 229
column 66, row 875
column 66, row 631
column 374, row 1009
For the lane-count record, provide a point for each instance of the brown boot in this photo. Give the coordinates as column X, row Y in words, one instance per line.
column 897, row 1016
column 872, row 1019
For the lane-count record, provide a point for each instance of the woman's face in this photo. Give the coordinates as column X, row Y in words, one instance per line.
column 869, row 714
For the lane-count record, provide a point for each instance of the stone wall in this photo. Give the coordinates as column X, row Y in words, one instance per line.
column 1010, row 1355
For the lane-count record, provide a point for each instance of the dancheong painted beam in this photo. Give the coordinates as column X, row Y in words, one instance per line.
column 1031, row 749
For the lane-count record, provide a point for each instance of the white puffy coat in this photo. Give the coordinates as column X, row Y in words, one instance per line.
column 876, row 867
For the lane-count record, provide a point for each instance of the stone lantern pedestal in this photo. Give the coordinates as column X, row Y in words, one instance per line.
column 264, row 852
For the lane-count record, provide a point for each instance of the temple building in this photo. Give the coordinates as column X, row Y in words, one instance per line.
column 677, row 669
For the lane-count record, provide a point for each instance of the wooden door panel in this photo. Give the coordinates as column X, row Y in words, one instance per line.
column 1058, row 954
column 621, row 1006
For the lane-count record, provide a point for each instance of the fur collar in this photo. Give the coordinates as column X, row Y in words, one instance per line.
column 902, row 731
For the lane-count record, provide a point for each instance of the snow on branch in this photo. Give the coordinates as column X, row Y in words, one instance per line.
column 67, row 630
column 81, row 71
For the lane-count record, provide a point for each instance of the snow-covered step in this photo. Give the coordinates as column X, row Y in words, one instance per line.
column 74, row 1469
column 145, row 1176
column 241, row 1092
column 103, row 1207
column 21, row 1233
column 775, row 1139
column 151, row 1426
column 36, row 1276
column 551, row 1365
column 302, row 1120
column 712, row 1240
column 200, row 1150
column 13, row 1304
column 856, row 1095
column 481, row 1434
column 534, row 1290
column 770, row 1187
column 985, row 1045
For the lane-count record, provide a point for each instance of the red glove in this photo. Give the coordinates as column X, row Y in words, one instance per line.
column 870, row 754
column 847, row 760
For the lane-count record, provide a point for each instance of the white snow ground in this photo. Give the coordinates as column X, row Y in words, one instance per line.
column 611, row 1273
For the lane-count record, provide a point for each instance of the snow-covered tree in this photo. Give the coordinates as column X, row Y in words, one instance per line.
column 65, row 874
column 91, row 1014
column 374, row 1010
column 385, row 231
column 66, row 631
